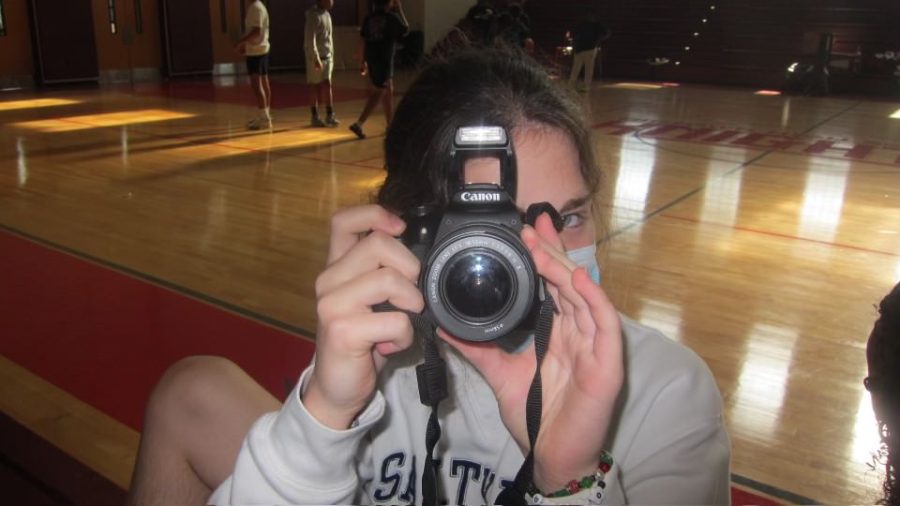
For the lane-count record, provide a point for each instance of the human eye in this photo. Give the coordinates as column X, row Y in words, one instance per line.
column 573, row 220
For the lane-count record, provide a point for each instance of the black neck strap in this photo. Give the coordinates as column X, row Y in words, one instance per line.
column 432, row 379
column 515, row 494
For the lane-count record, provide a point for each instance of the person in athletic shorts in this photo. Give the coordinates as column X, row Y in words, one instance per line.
column 380, row 32
column 319, row 48
column 255, row 46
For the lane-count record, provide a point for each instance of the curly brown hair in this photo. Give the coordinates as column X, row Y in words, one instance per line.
column 883, row 356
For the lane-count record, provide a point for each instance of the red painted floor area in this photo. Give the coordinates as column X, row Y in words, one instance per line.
column 284, row 94
column 106, row 337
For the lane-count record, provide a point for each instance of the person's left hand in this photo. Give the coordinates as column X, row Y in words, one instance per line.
column 582, row 371
column 241, row 48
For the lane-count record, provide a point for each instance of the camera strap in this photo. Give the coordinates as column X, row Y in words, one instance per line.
column 515, row 493
column 432, row 380
column 431, row 375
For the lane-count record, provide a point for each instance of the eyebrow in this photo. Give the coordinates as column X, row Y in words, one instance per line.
column 573, row 204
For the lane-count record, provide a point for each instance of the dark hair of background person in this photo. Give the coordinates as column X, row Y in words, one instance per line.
column 883, row 356
column 499, row 87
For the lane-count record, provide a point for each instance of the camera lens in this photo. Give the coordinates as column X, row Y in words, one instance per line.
column 478, row 284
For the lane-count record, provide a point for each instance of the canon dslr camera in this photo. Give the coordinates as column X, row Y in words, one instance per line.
column 478, row 278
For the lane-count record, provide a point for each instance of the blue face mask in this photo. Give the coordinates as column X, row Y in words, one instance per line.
column 586, row 257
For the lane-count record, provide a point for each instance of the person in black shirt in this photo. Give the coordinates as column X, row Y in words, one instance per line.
column 381, row 30
column 482, row 18
column 514, row 28
column 586, row 45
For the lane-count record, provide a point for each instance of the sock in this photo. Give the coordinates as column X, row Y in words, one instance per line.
column 315, row 111
column 268, row 114
column 330, row 110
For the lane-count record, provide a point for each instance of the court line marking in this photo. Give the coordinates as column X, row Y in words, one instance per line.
column 782, row 235
column 741, row 166
column 771, row 490
column 174, row 287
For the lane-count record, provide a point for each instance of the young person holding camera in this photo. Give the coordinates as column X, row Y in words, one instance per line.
column 626, row 414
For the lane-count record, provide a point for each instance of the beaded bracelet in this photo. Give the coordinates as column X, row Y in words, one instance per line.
column 575, row 486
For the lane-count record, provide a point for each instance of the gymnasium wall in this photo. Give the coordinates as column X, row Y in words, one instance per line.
column 134, row 48
column 742, row 42
column 16, row 67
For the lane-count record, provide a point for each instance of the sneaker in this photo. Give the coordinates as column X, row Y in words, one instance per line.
column 331, row 121
column 259, row 124
column 357, row 129
column 316, row 122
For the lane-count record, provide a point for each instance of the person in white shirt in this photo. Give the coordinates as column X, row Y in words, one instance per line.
column 353, row 430
column 255, row 46
column 319, row 47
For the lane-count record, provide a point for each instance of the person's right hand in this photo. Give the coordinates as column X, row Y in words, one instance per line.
column 318, row 65
column 352, row 341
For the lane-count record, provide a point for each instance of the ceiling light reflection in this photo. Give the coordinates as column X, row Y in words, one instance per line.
column 21, row 163
column 636, row 163
column 761, row 386
column 124, row 142
column 664, row 316
column 785, row 113
column 722, row 195
column 823, row 199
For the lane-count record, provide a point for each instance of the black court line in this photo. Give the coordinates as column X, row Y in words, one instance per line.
column 194, row 294
column 741, row 166
column 770, row 490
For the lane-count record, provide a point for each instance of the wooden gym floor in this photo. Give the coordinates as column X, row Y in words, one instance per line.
column 759, row 230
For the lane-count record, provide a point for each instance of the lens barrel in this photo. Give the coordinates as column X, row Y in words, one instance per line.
column 479, row 282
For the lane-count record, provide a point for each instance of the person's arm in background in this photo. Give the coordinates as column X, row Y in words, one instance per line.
column 361, row 48
column 398, row 10
column 309, row 38
column 254, row 21
column 601, row 33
